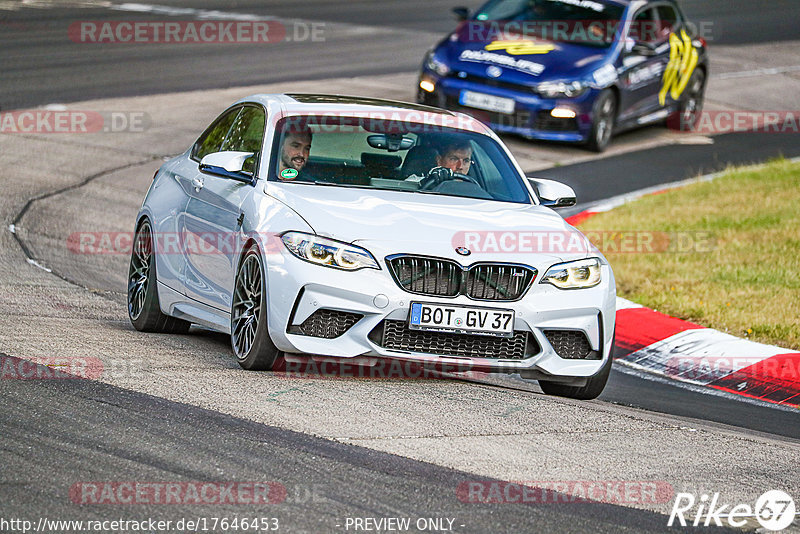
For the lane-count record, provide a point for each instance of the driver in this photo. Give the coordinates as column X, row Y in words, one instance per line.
column 456, row 156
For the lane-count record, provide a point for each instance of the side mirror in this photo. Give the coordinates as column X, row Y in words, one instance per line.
column 461, row 13
column 643, row 49
column 228, row 164
column 553, row 194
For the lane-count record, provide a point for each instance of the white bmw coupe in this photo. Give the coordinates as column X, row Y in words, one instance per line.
column 348, row 227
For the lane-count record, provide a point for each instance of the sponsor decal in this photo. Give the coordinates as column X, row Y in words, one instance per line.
column 605, row 75
column 644, row 74
column 289, row 174
column 683, row 59
column 482, row 56
column 586, row 4
column 518, row 47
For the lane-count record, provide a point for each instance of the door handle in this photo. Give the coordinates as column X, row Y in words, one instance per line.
column 197, row 183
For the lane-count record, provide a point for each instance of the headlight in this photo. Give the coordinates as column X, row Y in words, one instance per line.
column 574, row 274
column 561, row 89
column 436, row 65
column 327, row 252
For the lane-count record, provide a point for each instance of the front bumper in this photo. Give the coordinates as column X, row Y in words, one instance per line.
column 297, row 289
column 531, row 117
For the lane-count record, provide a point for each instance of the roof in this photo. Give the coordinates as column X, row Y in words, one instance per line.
column 377, row 108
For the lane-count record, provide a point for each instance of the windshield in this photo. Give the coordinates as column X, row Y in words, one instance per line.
column 402, row 156
column 586, row 22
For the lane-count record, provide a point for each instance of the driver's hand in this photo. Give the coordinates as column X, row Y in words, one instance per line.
column 435, row 176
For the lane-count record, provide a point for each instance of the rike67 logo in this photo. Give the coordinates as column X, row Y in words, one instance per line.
column 774, row 511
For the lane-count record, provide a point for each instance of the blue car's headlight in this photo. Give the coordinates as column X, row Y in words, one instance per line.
column 436, row 65
column 328, row 252
column 574, row 274
column 561, row 89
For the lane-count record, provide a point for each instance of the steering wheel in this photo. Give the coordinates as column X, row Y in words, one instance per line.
column 439, row 175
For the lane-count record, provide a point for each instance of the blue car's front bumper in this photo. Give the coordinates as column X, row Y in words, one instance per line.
column 532, row 113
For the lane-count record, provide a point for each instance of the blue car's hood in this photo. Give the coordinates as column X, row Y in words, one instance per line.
column 551, row 60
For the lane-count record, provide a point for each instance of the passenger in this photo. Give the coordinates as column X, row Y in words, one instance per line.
column 295, row 150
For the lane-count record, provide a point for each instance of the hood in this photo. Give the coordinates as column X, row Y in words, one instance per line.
column 553, row 60
column 391, row 222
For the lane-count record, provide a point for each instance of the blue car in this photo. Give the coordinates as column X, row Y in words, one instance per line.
column 570, row 70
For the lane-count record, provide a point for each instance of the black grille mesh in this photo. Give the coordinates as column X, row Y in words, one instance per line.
column 397, row 335
column 570, row 344
column 445, row 278
column 326, row 323
column 428, row 276
column 497, row 282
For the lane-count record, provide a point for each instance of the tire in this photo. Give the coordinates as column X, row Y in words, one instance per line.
column 691, row 105
column 604, row 113
column 250, row 339
column 593, row 388
column 144, row 310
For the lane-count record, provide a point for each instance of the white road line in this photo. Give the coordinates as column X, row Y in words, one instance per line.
column 757, row 72
column 201, row 14
column 39, row 265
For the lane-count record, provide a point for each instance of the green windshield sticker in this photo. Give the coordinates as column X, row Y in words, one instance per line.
column 288, row 174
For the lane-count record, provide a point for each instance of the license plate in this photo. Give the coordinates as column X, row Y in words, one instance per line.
column 462, row 319
column 487, row 102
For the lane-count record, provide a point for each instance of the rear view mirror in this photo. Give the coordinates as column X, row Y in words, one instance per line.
column 553, row 194
column 390, row 142
column 461, row 13
column 229, row 164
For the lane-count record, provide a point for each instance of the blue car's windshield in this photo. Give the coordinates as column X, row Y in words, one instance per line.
column 398, row 155
column 587, row 22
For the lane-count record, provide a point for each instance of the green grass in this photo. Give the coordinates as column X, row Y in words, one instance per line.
column 745, row 279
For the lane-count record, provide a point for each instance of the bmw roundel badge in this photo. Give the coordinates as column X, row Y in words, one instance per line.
column 464, row 251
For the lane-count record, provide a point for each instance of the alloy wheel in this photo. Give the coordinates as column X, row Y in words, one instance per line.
column 246, row 309
column 139, row 273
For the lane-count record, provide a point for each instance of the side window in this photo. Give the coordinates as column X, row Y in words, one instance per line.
column 668, row 20
column 212, row 139
column 644, row 27
column 246, row 135
column 247, row 132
